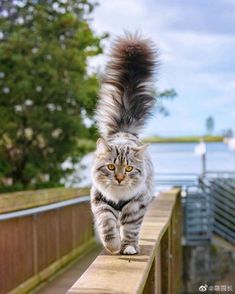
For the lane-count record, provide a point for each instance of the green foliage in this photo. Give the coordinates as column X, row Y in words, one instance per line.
column 45, row 90
column 228, row 133
column 161, row 97
column 210, row 124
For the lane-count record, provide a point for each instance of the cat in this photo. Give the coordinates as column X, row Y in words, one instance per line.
column 122, row 172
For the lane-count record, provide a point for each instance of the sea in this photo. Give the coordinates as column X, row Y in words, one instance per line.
column 169, row 159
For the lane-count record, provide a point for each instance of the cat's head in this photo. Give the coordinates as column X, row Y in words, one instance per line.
column 118, row 165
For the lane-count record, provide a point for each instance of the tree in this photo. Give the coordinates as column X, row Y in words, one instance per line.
column 161, row 97
column 227, row 133
column 45, row 90
column 210, row 125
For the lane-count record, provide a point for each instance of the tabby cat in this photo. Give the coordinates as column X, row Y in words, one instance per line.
column 122, row 171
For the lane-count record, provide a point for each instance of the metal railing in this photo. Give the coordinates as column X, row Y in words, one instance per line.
column 222, row 196
column 165, row 181
column 198, row 217
column 208, row 202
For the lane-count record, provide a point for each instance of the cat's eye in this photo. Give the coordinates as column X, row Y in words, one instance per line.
column 111, row 166
column 129, row 168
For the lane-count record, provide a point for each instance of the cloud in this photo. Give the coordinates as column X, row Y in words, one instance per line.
column 196, row 41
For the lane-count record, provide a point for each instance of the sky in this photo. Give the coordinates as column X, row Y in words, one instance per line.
column 196, row 41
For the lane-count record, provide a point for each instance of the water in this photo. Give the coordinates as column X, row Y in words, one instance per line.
column 181, row 158
column 170, row 158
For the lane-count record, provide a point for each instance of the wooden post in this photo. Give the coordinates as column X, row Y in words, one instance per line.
column 164, row 247
column 203, row 164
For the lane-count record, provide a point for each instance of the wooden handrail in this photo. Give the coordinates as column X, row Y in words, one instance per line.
column 45, row 208
column 28, row 199
column 156, row 269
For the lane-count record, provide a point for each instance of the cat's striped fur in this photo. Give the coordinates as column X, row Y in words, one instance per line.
column 122, row 171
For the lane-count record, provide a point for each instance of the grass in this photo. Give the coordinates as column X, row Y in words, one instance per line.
column 90, row 145
column 183, row 139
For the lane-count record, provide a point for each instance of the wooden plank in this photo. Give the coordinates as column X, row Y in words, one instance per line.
column 28, row 199
column 16, row 248
column 42, row 276
column 32, row 248
column 158, row 273
column 129, row 274
column 164, row 247
column 67, row 276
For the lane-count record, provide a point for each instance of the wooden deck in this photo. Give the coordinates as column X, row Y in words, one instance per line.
column 68, row 276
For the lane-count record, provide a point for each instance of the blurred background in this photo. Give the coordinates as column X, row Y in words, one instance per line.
column 52, row 55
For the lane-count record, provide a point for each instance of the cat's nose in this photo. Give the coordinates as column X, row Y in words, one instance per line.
column 119, row 178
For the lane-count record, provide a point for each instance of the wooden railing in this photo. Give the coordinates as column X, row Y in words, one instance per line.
column 36, row 242
column 157, row 269
column 28, row 199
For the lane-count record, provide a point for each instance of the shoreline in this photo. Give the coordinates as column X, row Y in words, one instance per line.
column 189, row 139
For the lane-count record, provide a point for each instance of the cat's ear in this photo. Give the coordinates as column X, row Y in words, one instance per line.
column 139, row 151
column 102, row 146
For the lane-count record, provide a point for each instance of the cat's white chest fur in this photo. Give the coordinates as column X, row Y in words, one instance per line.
column 117, row 193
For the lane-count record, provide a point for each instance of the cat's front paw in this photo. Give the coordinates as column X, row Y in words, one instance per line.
column 113, row 245
column 130, row 250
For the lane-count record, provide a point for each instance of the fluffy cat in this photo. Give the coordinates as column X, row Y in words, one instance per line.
column 122, row 172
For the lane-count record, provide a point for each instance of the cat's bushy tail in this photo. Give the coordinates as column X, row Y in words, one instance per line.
column 125, row 99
